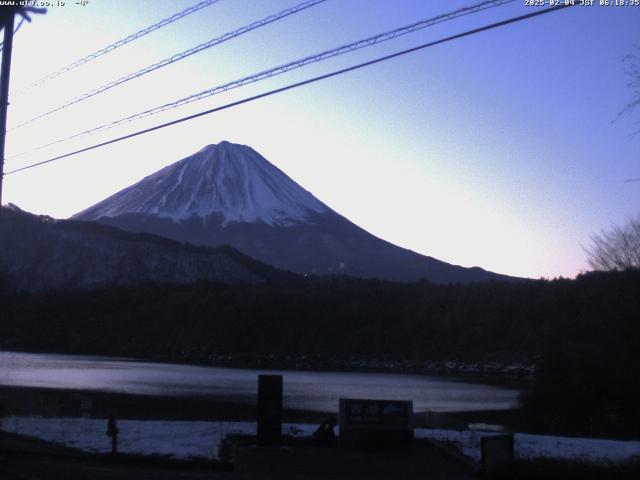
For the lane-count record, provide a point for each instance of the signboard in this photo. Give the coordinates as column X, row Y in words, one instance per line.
column 375, row 424
column 375, row 413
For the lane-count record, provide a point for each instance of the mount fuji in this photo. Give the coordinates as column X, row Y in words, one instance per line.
column 228, row 194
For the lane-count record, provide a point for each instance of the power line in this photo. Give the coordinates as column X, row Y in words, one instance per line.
column 179, row 56
column 367, row 42
column 134, row 36
column 14, row 32
column 298, row 84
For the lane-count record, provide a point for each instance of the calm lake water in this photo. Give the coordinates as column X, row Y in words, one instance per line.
column 315, row 391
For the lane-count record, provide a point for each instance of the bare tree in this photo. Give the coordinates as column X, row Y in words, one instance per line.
column 631, row 66
column 617, row 248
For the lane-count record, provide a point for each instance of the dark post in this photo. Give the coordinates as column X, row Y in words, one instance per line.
column 2, row 413
column 269, row 409
column 497, row 455
column 4, row 91
column 112, row 431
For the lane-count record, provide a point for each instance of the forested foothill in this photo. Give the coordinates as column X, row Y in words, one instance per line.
column 582, row 334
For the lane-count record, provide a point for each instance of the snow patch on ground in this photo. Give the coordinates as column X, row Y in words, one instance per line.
column 177, row 439
column 182, row 439
column 529, row 447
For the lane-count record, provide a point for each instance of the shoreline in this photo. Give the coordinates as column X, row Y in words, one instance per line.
column 53, row 402
column 50, row 402
column 493, row 370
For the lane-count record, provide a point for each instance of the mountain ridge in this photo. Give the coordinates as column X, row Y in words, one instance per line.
column 229, row 194
column 233, row 180
column 38, row 253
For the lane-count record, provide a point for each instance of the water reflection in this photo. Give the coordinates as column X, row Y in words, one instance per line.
column 316, row 391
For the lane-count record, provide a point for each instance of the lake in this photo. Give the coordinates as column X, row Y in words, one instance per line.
column 314, row 391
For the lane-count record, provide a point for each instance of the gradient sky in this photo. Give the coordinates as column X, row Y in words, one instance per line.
column 500, row 150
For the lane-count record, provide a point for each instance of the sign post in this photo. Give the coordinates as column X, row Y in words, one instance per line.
column 496, row 452
column 269, row 410
column 112, row 432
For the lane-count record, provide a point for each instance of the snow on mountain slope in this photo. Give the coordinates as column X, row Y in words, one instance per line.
column 232, row 180
column 228, row 194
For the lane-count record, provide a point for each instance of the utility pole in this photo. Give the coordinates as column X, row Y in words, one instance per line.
column 4, row 91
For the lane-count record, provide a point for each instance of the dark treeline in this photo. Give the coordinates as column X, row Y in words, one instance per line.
column 583, row 333
column 332, row 316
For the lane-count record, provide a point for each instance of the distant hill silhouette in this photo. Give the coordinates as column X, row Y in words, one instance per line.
column 41, row 253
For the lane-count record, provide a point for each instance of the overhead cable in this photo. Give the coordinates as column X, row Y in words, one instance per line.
column 292, row 86
column 178, row 56
column 256, row 77
column 128, row 39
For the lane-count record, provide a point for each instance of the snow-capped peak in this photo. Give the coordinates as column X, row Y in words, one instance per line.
column 228, row 179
